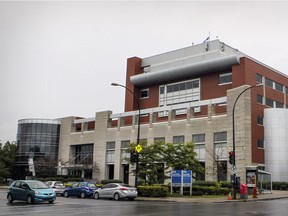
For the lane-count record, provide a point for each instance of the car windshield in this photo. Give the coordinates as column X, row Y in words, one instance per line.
column 58, row 184
column 37, row 185
column 91, row 185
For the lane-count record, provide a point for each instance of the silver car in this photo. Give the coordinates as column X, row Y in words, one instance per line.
column 116, row 191
column 57, row 186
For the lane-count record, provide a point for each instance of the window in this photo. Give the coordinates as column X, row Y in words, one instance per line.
column 125, row 143
column 220, row 145
column 110, row 156
column 260, row 99
column 124, row 153
column 178, row 139
column 110, row 152
column 279, row 104
column 225, row 78
column 220, row 137
column 198, row 138
column 84, row 154
column 286, row 89
column 144, row 93
column 278, row 87
column 260, row 143
column 179, row 93
column 268, row 82
column 260, row 120
column 269, row 102
column 259, row 78
column 200, row 151
column 110, row 145
column 199, row 141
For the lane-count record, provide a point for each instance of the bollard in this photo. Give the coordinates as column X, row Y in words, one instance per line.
column 255, row 192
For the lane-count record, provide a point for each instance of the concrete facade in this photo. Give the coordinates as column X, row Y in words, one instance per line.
column 208, row 125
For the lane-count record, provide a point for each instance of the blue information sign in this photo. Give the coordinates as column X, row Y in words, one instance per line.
column 176, row 177
column 181, row 178
column 187, row 178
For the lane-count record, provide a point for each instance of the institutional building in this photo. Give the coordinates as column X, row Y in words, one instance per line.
column 187, row 95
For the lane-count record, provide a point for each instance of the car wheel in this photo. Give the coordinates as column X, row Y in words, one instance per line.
column 51, row 201
column 66, row 194
column 96, row 195
column 82, row 195
column 10, row 198
column 116, row 196
column 29, row 199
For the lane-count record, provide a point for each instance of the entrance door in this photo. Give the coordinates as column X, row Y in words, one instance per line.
column 125, row 168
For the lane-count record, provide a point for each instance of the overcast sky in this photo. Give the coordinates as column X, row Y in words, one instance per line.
column 58, row 59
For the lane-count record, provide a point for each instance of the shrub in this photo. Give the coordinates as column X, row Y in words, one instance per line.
column 153, row 191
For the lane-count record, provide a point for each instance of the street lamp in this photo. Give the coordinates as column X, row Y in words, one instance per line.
column 138, row 132
column 233, row 122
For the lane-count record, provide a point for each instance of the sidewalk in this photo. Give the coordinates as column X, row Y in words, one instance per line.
column 267, row 196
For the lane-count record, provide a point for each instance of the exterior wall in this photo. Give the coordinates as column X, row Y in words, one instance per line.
column 209, row 124
column 276, row 149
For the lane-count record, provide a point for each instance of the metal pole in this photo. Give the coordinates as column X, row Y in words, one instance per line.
column 138, row 130
column 233, row 128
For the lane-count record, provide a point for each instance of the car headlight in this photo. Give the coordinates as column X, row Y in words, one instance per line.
column 37, row 192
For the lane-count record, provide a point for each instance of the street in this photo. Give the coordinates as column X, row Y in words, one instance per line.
column 89, row 206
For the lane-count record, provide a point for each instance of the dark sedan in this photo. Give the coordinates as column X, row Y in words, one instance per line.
column 80, row 189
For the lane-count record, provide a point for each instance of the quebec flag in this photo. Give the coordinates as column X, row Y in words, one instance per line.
column 207, row 39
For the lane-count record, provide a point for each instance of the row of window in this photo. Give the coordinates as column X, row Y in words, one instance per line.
column 220, row 146
column 272, row 84
column 269, row 102
column 185, row 88
column 36, row 128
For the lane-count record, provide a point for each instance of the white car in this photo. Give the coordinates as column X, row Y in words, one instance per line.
column 116, row 191
column 57, row 186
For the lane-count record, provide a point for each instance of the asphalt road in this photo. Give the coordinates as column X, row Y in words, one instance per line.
column 89, row 206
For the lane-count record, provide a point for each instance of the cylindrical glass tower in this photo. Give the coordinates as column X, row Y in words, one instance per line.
column 37, row 139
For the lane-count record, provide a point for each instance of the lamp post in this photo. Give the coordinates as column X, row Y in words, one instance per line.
column 138, row 131
column 233, row 128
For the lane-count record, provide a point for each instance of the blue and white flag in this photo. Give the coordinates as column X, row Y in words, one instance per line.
column 207, row 39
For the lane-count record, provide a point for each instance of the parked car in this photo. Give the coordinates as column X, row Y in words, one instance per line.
column 57, row 186
column 80, row 189
column 31, row 191
column 116, row 191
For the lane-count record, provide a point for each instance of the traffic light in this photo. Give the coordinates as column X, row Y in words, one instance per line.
column 231, row 158
column 133, row 156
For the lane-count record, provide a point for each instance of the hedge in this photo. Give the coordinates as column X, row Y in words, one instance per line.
column 153, row 191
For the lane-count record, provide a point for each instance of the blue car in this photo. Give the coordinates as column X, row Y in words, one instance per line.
column 31, row 191
column 80, row 189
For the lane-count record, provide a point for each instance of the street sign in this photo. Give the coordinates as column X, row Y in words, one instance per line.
column 138, row 148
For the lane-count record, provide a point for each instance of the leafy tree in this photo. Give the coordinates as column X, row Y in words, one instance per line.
column 181, row 157
column 150, row 162
column 7, row 159
column 155, row 158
